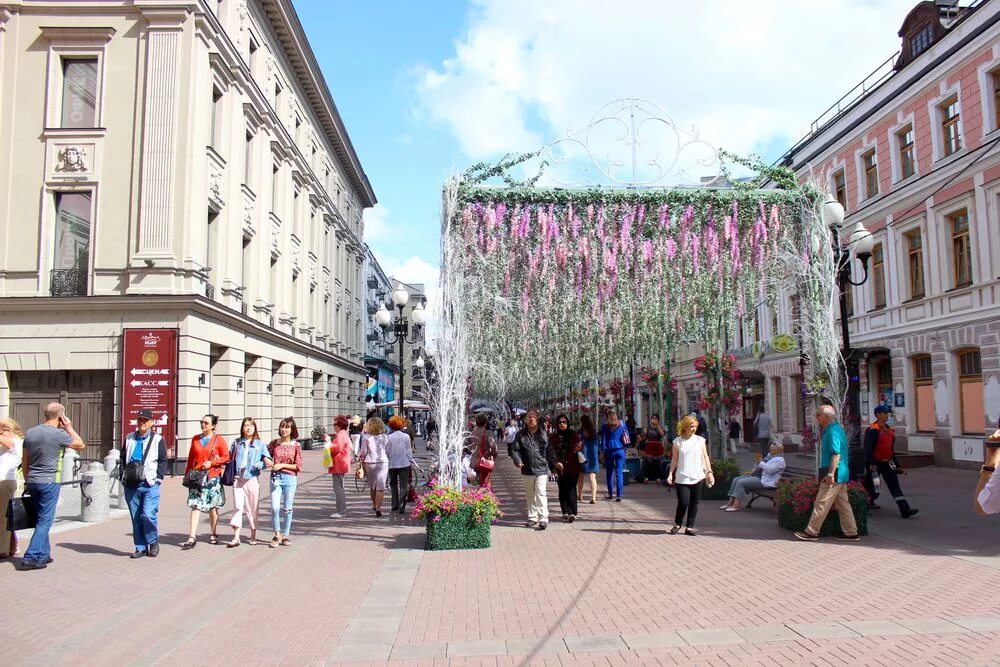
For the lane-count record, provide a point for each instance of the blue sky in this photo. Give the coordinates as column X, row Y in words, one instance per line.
column 428, row 88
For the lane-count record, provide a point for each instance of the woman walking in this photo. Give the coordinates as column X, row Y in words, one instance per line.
column 614, row 440
column 375, row 458
column 251, row 457
column 588, row 441
column 340, row 456
column 400, row 453
column 208, row 452
column 484, row 451
column 690, row 470
column 565, row 446
column 11, row 447
column 286, row 455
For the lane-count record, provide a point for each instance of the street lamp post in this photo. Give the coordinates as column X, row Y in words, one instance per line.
column 401, row 331
column 860, row 244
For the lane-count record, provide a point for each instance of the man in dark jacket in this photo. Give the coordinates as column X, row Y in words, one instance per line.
column 532, row 454
column 880, row 439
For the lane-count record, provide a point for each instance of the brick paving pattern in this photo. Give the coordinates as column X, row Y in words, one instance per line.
column 612, row 588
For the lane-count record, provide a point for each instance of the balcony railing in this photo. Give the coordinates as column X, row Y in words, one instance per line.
column 68, row 282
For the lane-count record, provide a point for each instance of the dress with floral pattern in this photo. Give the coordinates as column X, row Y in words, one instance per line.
column 212, row 497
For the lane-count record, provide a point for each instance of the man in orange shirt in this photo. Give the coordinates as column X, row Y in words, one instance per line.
column 880, row 439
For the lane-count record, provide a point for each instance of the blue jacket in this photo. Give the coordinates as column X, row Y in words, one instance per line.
column 614, row 439
column 255, row 453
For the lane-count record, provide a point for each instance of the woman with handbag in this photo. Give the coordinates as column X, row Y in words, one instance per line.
column 591, row 463
column 206, row 459
column 249, row 457
column 690, row 470
column 566, row 447
column 11, row 446
column 400, row 453
column 375, row 459
column 287, row 457
column 484, row 451
column 339, row 451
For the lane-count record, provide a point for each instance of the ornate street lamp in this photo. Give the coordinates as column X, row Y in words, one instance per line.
column 859, row 245
column 401, row 331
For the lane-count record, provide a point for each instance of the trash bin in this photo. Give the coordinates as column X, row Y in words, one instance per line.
column 633, row 466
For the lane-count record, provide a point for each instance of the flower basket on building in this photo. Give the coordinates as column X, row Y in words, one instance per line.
column 726, row 470
column 458, row 519
column 796, row 500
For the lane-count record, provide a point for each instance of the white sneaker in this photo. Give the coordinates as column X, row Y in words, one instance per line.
column 724, row 507
column 336, row 515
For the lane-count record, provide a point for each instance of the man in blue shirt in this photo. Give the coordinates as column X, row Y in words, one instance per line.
column 833, row 487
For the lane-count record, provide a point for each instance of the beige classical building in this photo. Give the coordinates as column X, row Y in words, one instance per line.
column 176, row 164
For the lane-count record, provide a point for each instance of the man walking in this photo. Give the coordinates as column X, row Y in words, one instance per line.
column 880, row 439
column 762, row 424
column 833, row 487
column 531, row 455
column 144, row 464
column 41, row 461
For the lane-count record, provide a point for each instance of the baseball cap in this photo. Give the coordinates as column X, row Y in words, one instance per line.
column 883, row 409
column 145, row 414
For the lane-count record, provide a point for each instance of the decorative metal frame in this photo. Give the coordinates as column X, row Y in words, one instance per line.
column 633, row 117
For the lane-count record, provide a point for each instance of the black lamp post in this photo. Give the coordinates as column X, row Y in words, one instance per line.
column 859, row 245
column 401, row 331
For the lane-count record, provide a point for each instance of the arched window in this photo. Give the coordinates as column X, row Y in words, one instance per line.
column 970, row 386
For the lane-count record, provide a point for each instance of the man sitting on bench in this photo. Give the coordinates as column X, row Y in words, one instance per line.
column 766, row 475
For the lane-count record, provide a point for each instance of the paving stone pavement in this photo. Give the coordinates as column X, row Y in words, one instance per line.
column 611, row 588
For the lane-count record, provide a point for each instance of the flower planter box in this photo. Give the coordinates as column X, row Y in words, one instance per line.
column 726, row 470
column 792, row 516
column 458, row 531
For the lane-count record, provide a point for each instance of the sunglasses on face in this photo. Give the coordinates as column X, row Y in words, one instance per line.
column 206, row 423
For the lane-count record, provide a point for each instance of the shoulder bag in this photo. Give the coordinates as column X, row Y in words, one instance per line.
column 133, row 473
column 485, row 463
column 196, row 478
column 229, row 472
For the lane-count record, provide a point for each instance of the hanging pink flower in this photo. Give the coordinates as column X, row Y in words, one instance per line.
column 590, row 212
column 671, row 249
column 524, row 302
column 712, row 245
column 576, row 227
column 693, row 246
column 499, row 213
column 647, row 252
column 525, row 227
column 662, row 219
column 600, row 222
column 514, row 224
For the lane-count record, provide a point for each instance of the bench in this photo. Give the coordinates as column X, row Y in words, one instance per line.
column 789, row 475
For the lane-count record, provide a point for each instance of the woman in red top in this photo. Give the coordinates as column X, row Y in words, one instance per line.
column 287, row 456
column 208, row 452
column 340, row 455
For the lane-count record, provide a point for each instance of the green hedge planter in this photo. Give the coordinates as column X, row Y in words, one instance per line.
column 458, row 531
column 790, row 519
column 726, row 470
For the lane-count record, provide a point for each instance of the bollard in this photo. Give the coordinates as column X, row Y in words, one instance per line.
column 114, row 484
column 70, row 501
column 96, row 487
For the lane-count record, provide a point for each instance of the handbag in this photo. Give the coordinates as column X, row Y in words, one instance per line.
column 133, row 473
column 229, row 472
column 484, row 462
column 196, row 479
column 582, row 458
column 21, row 514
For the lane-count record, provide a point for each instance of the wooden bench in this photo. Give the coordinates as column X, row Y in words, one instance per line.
column 789, row 475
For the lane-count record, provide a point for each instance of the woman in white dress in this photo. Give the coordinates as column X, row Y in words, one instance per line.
column 690, row 470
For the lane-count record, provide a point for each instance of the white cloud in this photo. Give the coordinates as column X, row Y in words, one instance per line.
column 376, row 220
column 744, row 73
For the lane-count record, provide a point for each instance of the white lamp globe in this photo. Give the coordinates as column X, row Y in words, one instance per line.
column 833, row 213
column 862, row 240
column 383, row 316
column 400, row 297
column 419, row 363
column 419, row 315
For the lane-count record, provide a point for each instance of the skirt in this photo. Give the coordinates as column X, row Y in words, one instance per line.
column 212, row 497
column 377, row 473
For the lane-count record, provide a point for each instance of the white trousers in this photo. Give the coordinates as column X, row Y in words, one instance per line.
column 536, row 490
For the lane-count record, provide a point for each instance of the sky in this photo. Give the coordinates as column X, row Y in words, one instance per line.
column 428, row 88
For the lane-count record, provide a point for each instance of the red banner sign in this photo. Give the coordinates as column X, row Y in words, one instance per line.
column 149, row 381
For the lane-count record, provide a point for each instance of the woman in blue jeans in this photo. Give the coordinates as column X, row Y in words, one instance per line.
column 286, row 455
column 614, row 440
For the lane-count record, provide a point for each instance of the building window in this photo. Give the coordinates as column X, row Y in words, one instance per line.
column 871, row 174
column 915, row 250
column 779, row 412
column 949, row 126
column 923, row 381
column 248, row 160
column 961, row 248
column 840, row 187
column 774, row 320
column 921, row 41
column 216, row 128
column 71, row 257
column 996, row 100
column 904, row 138
column 878, row 276
column 970, row 380
column 79, row 93
column 275, row 182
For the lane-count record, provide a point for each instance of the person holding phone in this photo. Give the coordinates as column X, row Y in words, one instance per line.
column 988, row 489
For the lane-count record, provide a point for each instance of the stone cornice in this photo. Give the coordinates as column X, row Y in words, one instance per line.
column 185, row 303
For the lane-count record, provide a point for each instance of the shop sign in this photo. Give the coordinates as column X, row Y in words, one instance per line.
column 149, row 381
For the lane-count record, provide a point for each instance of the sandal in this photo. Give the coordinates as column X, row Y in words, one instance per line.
column 252, row 541
column 190, row 543
column 233, row 544
column 675, row 530
column 275, row 541
column 214, row 539
column 285, row 542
